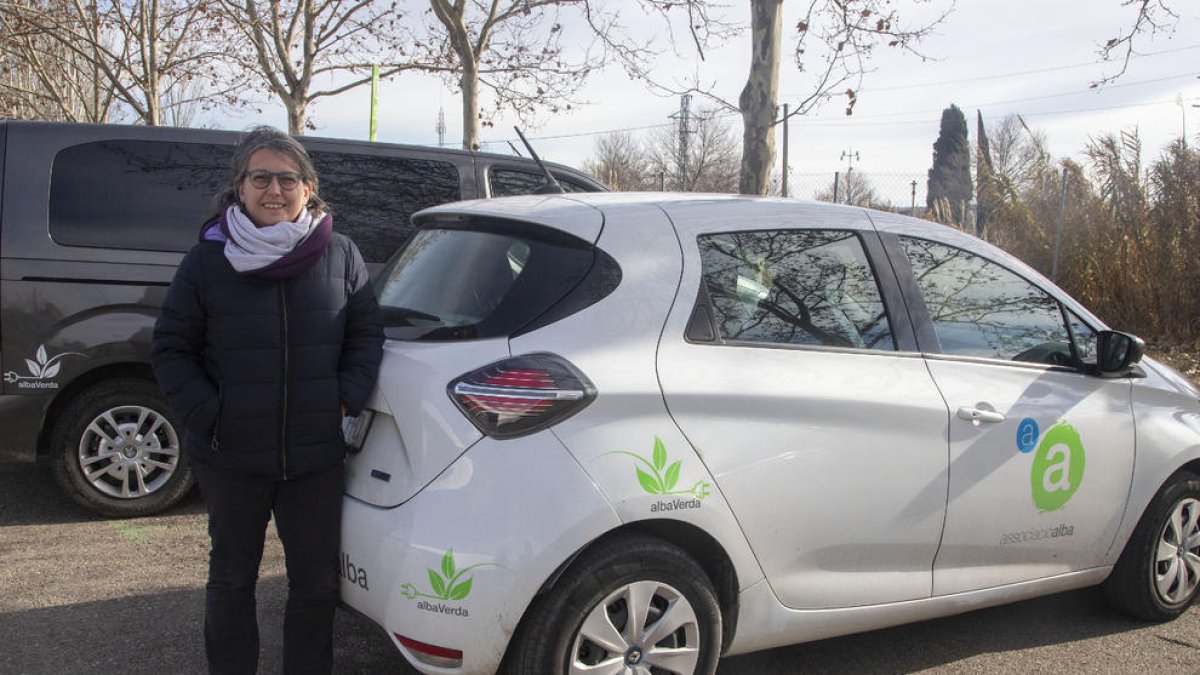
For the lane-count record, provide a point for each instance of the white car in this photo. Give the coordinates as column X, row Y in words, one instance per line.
column 619, row 433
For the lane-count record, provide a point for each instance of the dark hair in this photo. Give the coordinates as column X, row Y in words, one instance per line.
column 267, row 138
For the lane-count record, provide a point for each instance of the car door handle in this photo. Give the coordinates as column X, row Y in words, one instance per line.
column 978, row 416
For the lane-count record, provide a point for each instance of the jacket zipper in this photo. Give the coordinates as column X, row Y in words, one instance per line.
column 216, row 432
column 283, row 332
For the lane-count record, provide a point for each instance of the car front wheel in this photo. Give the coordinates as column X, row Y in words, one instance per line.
column 117, row 452
column 632, row 604
column 1158, row 573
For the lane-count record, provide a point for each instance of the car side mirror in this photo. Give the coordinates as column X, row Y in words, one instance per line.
column 1117, row 353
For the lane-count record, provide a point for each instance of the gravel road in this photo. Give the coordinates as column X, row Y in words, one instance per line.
column 82, row 594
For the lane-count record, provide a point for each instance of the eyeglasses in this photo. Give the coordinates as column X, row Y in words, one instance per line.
column 261, row 179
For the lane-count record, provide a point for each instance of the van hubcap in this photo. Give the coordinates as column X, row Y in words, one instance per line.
column 128, row 452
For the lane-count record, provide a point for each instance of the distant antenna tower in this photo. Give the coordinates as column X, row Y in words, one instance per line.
column 441, row 127
column 684, row 116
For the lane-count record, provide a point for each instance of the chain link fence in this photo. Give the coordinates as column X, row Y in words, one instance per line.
column 900, row 192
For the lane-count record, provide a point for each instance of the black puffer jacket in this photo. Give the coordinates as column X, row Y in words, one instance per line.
column 256, row 370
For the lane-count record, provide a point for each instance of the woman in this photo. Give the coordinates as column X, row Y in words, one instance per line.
column 269, row 335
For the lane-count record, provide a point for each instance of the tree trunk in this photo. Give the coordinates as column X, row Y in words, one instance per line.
column 297, row 116
column 469, row 83
column 758, row 99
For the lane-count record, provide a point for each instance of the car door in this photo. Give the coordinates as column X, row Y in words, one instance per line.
column 1041, row 454
column 800, row 388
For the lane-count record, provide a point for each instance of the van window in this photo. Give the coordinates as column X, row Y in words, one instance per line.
column 140, row 195
column 509, row 182
column 373, row 197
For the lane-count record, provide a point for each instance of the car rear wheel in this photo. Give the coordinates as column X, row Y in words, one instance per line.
column 1158, row 574
column 117, row 452
column 632, row 604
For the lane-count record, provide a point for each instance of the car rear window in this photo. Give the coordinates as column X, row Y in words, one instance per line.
column 459, row 284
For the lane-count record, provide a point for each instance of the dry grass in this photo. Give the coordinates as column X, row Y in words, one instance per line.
column 1184, row 358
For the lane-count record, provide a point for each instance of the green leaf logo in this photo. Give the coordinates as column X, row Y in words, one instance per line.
column 445, row 585
column 462, row 590
column 673, row 474
column 656, row 481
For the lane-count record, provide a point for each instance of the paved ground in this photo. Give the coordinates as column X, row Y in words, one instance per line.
column 81, row 594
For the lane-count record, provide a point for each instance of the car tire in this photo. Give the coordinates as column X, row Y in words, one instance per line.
column 1156, row 578
column 584, row 619
column 116, row 450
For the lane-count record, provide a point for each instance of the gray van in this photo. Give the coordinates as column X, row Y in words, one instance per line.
column 94, row 220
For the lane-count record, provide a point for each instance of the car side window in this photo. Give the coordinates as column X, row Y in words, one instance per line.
column 510, row 182
column 802, row 287
column 373, row 197
column 979, row 308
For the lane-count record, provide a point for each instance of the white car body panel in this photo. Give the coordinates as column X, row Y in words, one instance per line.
column 561, row 212
column 550, row 510
column 763, row 623
column 996, row 533
column 781, row 430
column 614, row 343
column 418, row 430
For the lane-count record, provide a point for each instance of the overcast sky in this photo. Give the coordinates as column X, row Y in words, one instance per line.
column 1032, row 57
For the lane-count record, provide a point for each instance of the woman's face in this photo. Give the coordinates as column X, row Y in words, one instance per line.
column 273, row 202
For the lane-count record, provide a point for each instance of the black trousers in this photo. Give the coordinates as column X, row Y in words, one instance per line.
column 308, row 517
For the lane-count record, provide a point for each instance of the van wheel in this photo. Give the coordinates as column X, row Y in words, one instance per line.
column 633, row 604
column 116, row 450
column 1158, row 573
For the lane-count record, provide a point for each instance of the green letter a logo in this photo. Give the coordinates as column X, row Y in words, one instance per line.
column 1057, row 468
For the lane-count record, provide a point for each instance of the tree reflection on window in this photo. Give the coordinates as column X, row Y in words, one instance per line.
column 807, row 287
column 373, row 197
column 981, row 309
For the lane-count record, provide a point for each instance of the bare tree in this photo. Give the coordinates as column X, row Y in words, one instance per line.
column 853, row 188
column 133, row 51
column 1151, row 17
column 292, row 44
column 39, row 80
column 835, row 39
column 516, row 51
column 1019, row 156
column 712, row 160
column 620, row 161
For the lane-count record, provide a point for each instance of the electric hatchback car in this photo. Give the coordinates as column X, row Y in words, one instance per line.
column 620, row 433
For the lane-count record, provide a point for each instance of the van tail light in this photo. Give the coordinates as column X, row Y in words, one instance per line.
column 522, row 395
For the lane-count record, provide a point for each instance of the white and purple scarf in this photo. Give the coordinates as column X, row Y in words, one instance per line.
column 279, row 251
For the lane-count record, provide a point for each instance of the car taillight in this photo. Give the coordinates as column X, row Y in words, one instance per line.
column 521, row 395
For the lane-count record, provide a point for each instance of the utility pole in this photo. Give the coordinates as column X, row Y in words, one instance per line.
column 684, row 117
column 850, row 155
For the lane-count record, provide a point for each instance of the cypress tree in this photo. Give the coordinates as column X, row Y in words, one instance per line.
column 986, row 188
column 949, row 189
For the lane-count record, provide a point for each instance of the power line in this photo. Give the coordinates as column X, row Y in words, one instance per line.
column 1019, row 73
column 857, row 119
